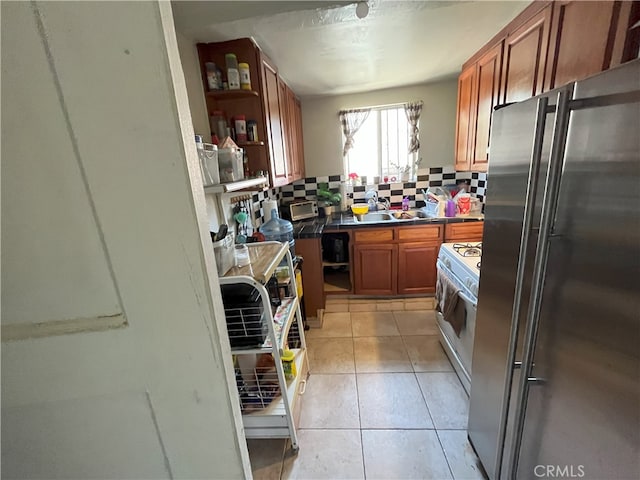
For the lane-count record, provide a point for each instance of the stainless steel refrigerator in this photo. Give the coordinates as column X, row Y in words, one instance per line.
column 555, row 390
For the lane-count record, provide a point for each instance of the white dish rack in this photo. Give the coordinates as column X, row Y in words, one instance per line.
column 434, row 209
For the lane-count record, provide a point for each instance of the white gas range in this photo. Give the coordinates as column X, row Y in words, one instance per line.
column 463, row 260
column 460, row 263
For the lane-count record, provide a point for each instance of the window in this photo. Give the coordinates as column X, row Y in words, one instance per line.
column 381, row 145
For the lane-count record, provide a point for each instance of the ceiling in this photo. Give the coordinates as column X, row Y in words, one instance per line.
column 322, row 48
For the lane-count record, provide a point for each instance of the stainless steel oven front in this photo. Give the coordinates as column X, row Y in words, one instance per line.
column 459, row 348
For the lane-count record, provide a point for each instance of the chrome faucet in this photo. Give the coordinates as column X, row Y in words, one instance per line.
column 375, row 202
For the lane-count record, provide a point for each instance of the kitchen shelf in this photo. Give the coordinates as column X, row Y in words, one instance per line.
column 282, row 320
column 335, row 264
column 336, row 275
column 251, row 184
column 337, row 283
column 269, row 401
column 264, row 258
column 231, row 94
column 250, row 144
column 276, row 407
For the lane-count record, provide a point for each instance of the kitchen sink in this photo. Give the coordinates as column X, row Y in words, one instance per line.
column 375, row 217
column 411, row 213
column 393, row 216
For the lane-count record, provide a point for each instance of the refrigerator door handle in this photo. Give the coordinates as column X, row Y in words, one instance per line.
column 536, row 380
column 529, row 207
column 549, row 207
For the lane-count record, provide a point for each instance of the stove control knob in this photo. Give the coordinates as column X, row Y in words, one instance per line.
column 447, row 263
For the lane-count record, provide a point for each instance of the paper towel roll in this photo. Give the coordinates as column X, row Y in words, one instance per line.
column 343, row 193
column 267, row 207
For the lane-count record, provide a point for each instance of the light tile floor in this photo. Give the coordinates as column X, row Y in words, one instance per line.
column 382, row 400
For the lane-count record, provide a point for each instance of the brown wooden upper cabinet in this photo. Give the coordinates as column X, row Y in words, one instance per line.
column 274, row 123
column 525, row 56
column 546, row 46
column 582, row 37
column 464, row 126
column 270, row 103
column 488, row 73
column 478, row 93
column 293, row 122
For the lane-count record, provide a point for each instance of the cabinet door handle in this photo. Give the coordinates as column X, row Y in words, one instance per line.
column 303, row 387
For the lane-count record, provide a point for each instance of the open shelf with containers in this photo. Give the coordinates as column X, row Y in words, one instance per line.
column 269, row 102
column 336, row 263
column 259, row 334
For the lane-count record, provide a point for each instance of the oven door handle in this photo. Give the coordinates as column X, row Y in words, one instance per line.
column 467, row 298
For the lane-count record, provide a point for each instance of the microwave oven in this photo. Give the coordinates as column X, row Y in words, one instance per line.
column 302, row 210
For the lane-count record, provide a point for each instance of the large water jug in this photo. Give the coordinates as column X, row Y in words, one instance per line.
column 279, row 230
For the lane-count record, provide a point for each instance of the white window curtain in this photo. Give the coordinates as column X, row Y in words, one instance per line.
column 413, row 111
column 351, row 121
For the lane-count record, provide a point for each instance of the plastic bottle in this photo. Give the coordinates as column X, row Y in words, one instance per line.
column 218, row 124
column 233, row 75
column 405, row 204
column 450, row 209
column 241, row 128
column 245, row 76
column 289, row 364
column 252, row 131
column 279, row 230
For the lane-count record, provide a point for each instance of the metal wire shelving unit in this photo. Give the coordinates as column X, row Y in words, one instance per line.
column 270, row 402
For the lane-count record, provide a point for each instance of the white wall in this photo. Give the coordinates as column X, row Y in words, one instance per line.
column 198, row 107
column 100, row 219
column 323, row 134
column 195, row 92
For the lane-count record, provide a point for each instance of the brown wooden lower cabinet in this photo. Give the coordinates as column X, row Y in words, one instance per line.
column 375, row 269
column 417, row 268
column 312, row 277
column 463, row 232
column 405, row 264
column 402, row 260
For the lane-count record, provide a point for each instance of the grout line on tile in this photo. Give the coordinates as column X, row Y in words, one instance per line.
column 353, row 341
column 364, row 465
column 413, row 368
column 425, row 400
column 445, row 454
column 397, row 429
column 331, row 428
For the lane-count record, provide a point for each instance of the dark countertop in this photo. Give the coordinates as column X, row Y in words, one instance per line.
column 315, row 227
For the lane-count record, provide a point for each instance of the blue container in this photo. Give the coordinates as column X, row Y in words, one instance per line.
column 279, row 230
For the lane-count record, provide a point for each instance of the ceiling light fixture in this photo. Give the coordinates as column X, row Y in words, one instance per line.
column 362, row 9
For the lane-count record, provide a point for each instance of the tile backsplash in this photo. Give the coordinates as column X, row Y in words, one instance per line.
column 306, row 188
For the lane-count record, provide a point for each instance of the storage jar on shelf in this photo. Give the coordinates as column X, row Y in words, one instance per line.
column 245, row 76
column 233, row 75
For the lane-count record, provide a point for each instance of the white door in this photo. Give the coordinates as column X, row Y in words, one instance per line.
column 112, row 364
